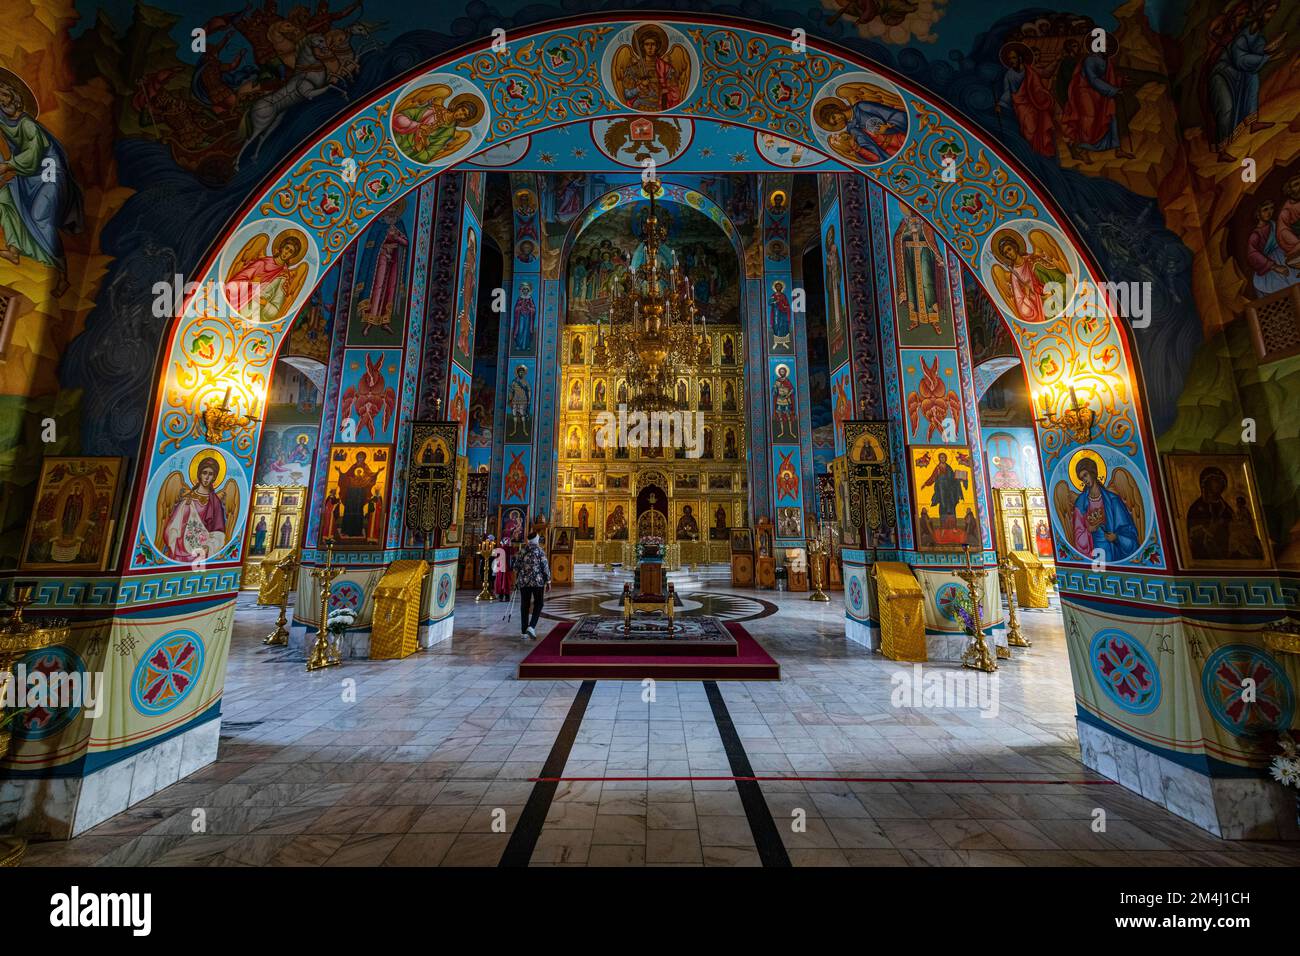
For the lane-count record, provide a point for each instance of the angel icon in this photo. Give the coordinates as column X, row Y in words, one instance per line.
column 262, row 287
column 1104, row 513
column 862, row 122
column 650, row 75
column 428, row 128
column 1035, row 281
column 195, row 518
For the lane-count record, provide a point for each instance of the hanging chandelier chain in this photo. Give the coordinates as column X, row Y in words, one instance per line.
column 651, row 326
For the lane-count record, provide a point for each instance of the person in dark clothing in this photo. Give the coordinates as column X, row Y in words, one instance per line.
column 532, row 577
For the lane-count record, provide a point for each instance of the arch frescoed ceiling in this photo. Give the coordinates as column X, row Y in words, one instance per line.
column 827, row 100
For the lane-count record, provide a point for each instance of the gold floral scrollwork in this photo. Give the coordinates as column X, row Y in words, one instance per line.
column 758, row 81
column 968, row 208
column 215, row 393
column 336, row 188
column 550, row 81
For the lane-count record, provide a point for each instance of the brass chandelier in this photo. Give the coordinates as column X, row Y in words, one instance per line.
column 651, row 331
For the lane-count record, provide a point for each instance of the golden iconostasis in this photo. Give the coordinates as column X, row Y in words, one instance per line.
column 617, row 494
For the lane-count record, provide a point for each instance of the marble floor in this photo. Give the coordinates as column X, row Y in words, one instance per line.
column 432, row 762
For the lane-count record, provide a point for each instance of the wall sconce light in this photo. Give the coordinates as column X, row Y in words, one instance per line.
column 221, row 418
column 1076, row 421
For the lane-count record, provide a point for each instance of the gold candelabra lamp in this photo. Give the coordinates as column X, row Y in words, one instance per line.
column 323, row 652
column 976, row 655
column 1006, row 581
column 485, row 550
column 217, row 420
column 651, row 328
column 1076, row 421
column 286, row 567
column 19, row 637
column 1283, row 636
column 817, row 549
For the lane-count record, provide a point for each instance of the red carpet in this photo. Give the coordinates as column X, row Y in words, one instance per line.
column 750, row 662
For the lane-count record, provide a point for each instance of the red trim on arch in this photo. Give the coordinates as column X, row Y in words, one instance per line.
column 258, row 194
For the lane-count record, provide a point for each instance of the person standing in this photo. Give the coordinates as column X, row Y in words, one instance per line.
column 532, row 577
column 501, row 571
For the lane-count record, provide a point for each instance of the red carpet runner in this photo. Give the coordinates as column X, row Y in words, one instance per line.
column 751, row 662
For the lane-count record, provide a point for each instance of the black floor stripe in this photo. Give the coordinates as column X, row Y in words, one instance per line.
column 519, row 851
column 767, row 839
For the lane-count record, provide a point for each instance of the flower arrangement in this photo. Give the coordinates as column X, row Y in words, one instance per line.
column 967, row 608
column 1285, row 766
column 339, row 620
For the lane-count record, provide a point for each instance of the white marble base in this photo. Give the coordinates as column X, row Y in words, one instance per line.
column 63, row 807
column 1234, row 808
column 355, row 645
column 860, row 632
column 437, row 631
column 950, row 647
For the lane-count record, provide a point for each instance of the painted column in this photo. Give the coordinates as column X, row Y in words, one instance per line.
column 519, row 358
column 929, row 394
column 371, row 392
column 452, row 400
column 788, row 417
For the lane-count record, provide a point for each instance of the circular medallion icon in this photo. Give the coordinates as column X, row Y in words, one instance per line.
column 346, row 596
column 1125, row 671
column 856, row 595
column 860, row 118
column 1246, row 690
column 167, row 672
column 650, row 68
column 945, row 597
column 438, row 119
column 59, row 665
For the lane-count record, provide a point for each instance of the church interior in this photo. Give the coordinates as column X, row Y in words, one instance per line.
column 884, row 403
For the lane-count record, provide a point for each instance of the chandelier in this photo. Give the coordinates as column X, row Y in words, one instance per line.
column 651, row 331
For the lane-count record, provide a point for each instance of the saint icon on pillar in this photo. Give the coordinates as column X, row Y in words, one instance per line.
column 920, row 291
column 519, row 401
column 384, row 254
column 834, row 292
column 523, row 319
column 784, row 423
column 778, row 313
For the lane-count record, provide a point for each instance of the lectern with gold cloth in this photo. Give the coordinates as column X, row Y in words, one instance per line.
column 276, row 579
column 1031, row 579
column 902, row 618
column 396, row 623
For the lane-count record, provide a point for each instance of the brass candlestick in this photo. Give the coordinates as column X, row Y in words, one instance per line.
column 485, row 552
column 1005, row 580
column 323, row 654
column 285, row 567
column 816, row 549
column 977, row 654
column 19, row 637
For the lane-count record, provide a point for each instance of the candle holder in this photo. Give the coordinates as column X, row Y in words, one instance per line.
column 976, row 655
column 323, row 653
column 1076, row 421
column 217, row 420
column 816, row 551
column 19, row 637
column 1006, row 578
column 286, row 567
column 485, row 549
column 1283, row 636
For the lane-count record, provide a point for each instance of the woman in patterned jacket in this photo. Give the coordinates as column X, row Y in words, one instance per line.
column 532, row 578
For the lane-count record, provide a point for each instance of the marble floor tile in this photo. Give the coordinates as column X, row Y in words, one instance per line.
column 303, row 778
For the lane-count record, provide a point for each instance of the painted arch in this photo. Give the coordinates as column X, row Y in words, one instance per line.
column 462, row 106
